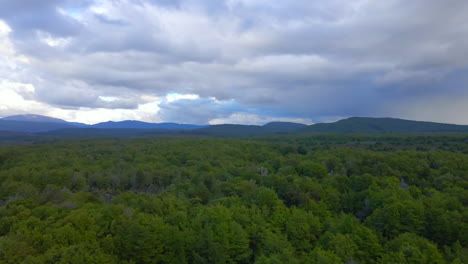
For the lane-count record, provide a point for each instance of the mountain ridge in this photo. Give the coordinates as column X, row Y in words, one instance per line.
column 250, row 130
column 134, row 124
column 40, row 123
column 362, row 125
column 383, row 125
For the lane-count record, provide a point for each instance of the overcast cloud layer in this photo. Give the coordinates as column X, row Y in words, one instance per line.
column 234, row 61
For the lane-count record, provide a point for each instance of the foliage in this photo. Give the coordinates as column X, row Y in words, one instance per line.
column 280, row 199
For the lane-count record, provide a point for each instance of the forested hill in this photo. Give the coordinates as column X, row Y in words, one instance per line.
column 46, row 126
column 284, row 126
column 132, row 124
column 362, row 125
column 104, row 132
column 230, row 130
column 366, row 125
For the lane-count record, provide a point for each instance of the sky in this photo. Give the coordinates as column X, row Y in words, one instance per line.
column 234, row 61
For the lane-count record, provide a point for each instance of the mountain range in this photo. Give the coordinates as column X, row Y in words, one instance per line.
column 37, row 125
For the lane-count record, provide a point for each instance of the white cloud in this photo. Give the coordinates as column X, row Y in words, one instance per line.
column 6, row 47
column 8, row 54
column 171, row 97
column 51, row 40
column 144, row 112
column 12, row 99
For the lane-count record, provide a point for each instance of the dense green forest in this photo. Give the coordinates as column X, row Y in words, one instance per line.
column 273, row 199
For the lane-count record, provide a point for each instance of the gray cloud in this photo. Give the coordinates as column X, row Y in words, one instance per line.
column 25, row 16
column 198, row 111
column 301, row 59
column 74, row 94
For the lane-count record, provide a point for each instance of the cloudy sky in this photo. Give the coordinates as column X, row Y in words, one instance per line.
column 234, row 61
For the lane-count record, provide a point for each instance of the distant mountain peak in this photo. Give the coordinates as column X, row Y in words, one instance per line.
column 34, row 118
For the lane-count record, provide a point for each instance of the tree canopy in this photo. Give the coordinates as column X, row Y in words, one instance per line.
column 278, row 199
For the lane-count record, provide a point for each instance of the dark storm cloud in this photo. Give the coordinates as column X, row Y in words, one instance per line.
column 304, row 59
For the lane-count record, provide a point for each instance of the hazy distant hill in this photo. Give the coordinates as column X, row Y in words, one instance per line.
column 41, row 119
column 365, row 125
column 28, row 126
column 34, row 118
column 230, row 130
column 107, row 132
column 40, row 123
column 382, row 125
column 144, row 125
column 284, row 126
